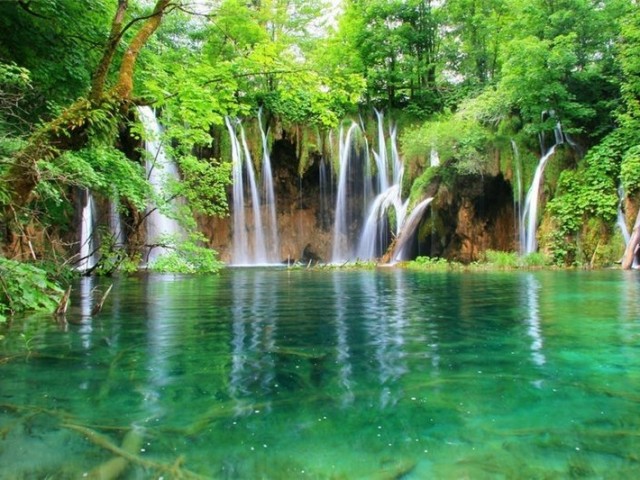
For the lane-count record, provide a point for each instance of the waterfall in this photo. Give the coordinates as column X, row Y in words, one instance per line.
column 269, row 195
column 530, row 212
column 517, row 199
column 162, row 227
column 408, row 229
column 324, row 174
column 115, row 224
column 341, row 249
column 250, row 244
column 374, row 237
column 381, row 156
column 434, row 158
column 87, row 251
column 620, row 220
column 380, row 191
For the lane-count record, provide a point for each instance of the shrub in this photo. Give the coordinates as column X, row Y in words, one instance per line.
column 24, row 287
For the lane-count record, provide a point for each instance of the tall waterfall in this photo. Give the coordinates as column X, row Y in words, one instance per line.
column 251, row 245
column 87, row 250
column 517, row 199
column 115, row 224
column 530, row 212
column 273, row 247
column 342, row 250
column 162, row 227
column 380, row 191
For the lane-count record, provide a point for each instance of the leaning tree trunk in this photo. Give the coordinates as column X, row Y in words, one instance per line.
column 71, row 129
column 630, row 251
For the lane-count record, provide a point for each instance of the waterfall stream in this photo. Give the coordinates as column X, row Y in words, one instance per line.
column 87, row 250
column 341, row 248
column 162, row 226
column 273, row 250
column 401, row 250
column 530, row 211
column 381, row 192
column 252, row 243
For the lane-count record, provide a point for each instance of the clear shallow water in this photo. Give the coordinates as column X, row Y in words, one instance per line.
column 332, row 375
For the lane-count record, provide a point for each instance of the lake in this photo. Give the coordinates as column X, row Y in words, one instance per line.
column 329, row 374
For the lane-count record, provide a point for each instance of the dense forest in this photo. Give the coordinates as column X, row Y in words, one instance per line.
column 484, row 83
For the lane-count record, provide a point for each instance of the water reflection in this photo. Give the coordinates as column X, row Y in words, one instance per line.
column 343, row 351
column 86, row 305
column 377, row 374
column 253, row 342
column 384, row 304
column 161, row 345
column 531, row 289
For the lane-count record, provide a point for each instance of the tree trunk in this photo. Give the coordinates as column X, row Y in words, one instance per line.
column 102, row 70
column 630, row 251
column 71, row 129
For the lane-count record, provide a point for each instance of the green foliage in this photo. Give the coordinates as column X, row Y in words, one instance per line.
column 501, row 259
column 585, row 205
column 101, row 168
column 462, row 143
column 421, row 183
column 203, row 185
column 629, row 59
column 59, row 42
column 630, row 170
column 188, row 257
column 25, row 287
column 395, row 46
column 15, row 82
column 589, row 191
column 513, row 260
column 533, row 260
column 429, row 263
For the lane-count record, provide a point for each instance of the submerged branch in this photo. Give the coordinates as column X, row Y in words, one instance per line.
column 98, row 307
column 174, row 470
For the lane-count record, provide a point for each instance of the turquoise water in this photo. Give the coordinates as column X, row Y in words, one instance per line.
column 281, row 374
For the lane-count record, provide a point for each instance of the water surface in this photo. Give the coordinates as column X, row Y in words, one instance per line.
column 331, row 375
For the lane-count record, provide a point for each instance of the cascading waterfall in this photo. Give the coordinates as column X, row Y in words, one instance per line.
column 269, row 195
column 250, row 245
column 381, row 191
column 434, row 158
column 517, row 199
column 530, row 212
column 115, row 224
column 620, row 220
column 401, row 250
column 622, row 223
column 324, row 174
column 373, row 238
column 162, row 227
column 87, row 251
column 341, row 248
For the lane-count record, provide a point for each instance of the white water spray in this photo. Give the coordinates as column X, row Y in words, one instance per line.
column 161, row 223
column 251, row 245
column 530, row 212
column 273, row 249
column 87, row 251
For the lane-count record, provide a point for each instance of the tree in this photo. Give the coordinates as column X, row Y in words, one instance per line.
column 395, row 46
column 96, row 118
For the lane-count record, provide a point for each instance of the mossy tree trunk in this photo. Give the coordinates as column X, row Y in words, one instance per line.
column 71, row 130
column 634, row 241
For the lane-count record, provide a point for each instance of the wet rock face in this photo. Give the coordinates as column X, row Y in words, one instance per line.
column 474, row 215
column 302, row 212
